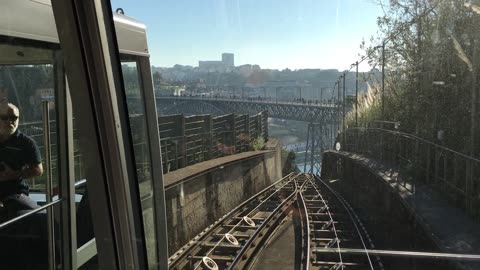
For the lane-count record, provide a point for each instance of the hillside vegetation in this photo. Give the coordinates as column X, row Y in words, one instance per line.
column 432, row 79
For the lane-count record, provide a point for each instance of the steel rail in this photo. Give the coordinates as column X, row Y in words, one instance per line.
column 331, row 218
column 305, row 260
column 408, row 254
column 247, row 215
column 349, row 212
column 256, row 233
column 177, row 257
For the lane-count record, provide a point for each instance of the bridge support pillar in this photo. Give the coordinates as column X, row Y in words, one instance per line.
column 314, row 148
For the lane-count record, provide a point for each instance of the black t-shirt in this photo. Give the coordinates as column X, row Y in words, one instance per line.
column 18, row 151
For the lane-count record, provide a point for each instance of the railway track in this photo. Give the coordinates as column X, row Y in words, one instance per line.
column 326, row 223
column 335, row 227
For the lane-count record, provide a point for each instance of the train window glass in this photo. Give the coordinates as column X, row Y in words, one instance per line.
column 28, row 155
column 378, row 101
column 138, row 127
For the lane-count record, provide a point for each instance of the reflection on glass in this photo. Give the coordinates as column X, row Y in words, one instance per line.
column 27, row 111
column 381, row 98
column 138, row 125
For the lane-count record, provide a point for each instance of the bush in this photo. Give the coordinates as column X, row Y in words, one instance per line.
column 258, row 144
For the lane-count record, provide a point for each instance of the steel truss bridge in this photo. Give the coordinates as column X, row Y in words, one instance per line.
column 322, row 113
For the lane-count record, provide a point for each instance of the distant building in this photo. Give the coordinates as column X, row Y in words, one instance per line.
column 211, row 66
column 227, row 64
column 246, row 70
column 227, row 59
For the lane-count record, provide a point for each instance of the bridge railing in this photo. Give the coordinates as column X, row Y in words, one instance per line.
column 273, row 100
column 189, row 140
column 416, row 160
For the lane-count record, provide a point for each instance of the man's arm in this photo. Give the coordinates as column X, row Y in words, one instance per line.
column 28, row 171
column 32, row 170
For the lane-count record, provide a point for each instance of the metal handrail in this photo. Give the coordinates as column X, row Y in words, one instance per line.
column 412, row 136
column 16, row 219
column 418, row 160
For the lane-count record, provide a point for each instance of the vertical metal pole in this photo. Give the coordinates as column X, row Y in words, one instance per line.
column 183, row 149
column 66, row 167
column 474, row 141
column 383, row 80
column 338, row 107
column 306, row 150
column 343, row 113
column 312, row 153
column 48, row 186
column 356, row 95
column 209, row 136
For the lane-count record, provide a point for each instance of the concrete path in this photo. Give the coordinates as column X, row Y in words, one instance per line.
column 451, row 228
column 279, row 252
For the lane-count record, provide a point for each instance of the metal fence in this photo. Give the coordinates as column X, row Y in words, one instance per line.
column 415, row 160
column 188, row 140
column 35, row 131
column 184, row 141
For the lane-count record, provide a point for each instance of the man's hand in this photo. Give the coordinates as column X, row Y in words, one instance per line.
column 9, row 174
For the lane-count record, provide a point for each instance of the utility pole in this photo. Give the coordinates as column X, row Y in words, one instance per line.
column 343, row 113
column 338, row 105
column 383, row 80
column 343, row 102
column 356, row 95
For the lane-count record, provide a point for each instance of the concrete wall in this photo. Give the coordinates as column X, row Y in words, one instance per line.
column 198, row 197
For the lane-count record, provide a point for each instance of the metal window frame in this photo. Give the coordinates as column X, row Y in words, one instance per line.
column 160, row 214
column 66, row 174
column 86, row 33
column 153, row 136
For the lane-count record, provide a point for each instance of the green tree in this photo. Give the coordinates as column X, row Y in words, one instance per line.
column 432, row 58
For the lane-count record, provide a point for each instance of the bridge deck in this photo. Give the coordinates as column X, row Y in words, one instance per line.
column 326, row 113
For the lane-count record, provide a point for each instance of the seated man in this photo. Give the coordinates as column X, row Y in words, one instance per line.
column 19, row 159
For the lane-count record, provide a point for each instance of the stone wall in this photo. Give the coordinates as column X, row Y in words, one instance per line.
column 196, row 199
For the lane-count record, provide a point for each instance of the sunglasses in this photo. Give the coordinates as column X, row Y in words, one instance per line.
column 8, row 117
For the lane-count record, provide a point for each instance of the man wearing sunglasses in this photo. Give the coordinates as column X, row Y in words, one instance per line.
column 19, row 159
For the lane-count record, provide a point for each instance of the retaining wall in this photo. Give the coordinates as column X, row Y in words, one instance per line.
column 198, row 195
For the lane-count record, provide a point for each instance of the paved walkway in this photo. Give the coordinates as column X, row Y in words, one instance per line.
column 451, row 228
column 279, row 252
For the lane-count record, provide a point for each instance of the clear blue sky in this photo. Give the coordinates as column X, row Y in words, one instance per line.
column 272, row 33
